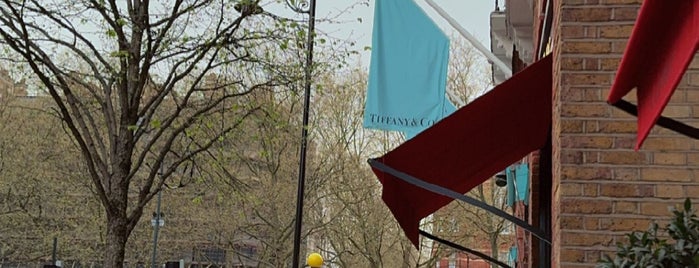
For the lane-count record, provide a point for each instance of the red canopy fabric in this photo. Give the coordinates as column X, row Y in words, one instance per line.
column 469, row 146
column 661, row 46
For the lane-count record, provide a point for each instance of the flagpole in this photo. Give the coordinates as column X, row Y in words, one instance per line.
column 486, row 52
column 299, row 7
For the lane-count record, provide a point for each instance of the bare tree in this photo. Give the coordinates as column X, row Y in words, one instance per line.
column 136, row 83
column 358, row 229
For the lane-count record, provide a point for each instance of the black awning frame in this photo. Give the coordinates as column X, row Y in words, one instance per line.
column 465, row 249
column 454, row 195
column 663, row 121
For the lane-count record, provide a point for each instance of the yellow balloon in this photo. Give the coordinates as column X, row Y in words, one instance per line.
column 314, row 260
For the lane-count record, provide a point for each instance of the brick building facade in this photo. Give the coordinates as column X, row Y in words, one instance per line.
column 601, row 188
column 604, row 189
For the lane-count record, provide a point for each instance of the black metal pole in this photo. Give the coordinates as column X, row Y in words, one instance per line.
column 156, row 230
column 53, row 253
column 156, row 226
column 304, row 135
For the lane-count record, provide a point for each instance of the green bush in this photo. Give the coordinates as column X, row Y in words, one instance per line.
column 647, row 249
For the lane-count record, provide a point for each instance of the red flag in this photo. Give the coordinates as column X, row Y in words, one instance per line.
column 469, row 146
column 662, row 44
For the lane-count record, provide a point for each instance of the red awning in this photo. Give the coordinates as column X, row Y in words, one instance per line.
column 662, row 44
column 469, row 146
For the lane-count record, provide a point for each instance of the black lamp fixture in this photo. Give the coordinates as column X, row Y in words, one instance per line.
column 501, row 179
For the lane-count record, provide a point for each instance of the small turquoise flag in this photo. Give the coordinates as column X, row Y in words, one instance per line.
column 408, row 71
column 448, row 109
column 522, row 182
column 517, row 184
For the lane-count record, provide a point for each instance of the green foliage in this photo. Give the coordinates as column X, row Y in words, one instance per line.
column 119, row 54
column 649, row 249
column 111, row 33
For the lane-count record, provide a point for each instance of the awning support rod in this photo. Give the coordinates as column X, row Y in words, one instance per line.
column 457, row 196
column 471, row 39
column 663, row 121
column 465, row 249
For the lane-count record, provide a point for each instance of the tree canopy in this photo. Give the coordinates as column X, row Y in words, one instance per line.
column 137, row 83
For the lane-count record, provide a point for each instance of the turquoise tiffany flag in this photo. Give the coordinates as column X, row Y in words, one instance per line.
column 448, row 109
column 518, row 184
column 408, row 71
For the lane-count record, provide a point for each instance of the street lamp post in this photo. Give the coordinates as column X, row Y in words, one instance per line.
column 303, row 6
column 157, row 221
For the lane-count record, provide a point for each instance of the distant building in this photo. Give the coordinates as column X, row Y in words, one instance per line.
column 10, row 88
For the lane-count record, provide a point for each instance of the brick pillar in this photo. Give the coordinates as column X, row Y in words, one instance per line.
column 602, row 188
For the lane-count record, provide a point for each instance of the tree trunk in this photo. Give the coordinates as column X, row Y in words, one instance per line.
column 407, row 254
column 117, row 234
column 494, row 250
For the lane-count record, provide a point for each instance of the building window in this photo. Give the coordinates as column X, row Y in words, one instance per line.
column 246, row 250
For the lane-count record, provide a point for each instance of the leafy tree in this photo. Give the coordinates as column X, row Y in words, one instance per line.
column 358, row 230
column 468, row 225
column 469, row 74
column 136, row 84
column 41, row 185
column 268, row 166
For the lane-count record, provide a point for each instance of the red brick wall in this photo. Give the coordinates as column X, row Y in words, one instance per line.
column 604, row 189
column 463, row 260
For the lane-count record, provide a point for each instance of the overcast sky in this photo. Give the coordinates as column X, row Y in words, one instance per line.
column 473, row 15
